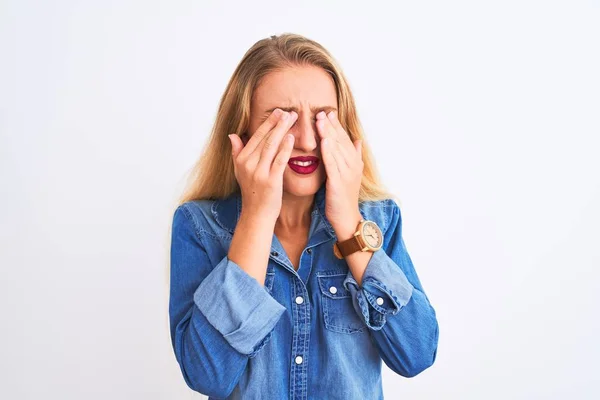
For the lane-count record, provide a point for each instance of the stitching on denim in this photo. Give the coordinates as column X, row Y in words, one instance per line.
column 197, row 230
column 262, row 344
column 306, row 354
column 364, row 308
column 377, row 203
column 192, row 218
column 331, row 273
column 399, row 223
column 326, row 304
column 337, row 328
column 213, row 235
column 213, row 210
column 322, row 279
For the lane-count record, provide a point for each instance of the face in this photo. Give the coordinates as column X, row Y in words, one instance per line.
column 306, row 90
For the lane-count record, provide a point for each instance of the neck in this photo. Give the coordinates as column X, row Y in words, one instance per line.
column 295, row 214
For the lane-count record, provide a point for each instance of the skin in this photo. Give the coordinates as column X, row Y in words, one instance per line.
column 310, row 92
column 301, row 88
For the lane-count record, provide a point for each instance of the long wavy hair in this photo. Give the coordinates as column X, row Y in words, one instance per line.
column 212, row 177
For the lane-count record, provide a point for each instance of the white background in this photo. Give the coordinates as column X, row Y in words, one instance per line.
column 484, row 117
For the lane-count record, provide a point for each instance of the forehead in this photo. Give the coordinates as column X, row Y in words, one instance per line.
column 295, row 86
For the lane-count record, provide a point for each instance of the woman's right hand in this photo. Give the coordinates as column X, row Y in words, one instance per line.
column 260, row 163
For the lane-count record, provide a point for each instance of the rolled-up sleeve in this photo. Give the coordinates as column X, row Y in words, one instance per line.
column 237, row 305
column 385, row 290
column 220, row 316
column 394, row 305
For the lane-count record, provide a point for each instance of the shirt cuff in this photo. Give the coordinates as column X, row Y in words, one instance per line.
column 384, row 290
column 239, row 307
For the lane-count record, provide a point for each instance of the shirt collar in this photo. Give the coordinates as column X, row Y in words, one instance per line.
column 227, row 211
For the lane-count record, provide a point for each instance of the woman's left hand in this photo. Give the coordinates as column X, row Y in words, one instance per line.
column 344, row 168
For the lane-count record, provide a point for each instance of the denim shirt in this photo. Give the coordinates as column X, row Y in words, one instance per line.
column 310, row 333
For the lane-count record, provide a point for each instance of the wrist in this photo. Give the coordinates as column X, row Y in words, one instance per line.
column 346, row 231
column 256, row 221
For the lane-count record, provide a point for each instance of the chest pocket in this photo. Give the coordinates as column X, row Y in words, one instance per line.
column 338, row 311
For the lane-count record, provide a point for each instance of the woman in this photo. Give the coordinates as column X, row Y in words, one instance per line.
column 272, row 295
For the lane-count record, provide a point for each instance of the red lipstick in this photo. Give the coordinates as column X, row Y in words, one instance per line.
column 310, row 164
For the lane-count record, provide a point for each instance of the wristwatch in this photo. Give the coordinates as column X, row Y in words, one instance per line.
column 368, row 237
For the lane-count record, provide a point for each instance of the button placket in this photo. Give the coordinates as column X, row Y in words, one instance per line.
column 300, row 340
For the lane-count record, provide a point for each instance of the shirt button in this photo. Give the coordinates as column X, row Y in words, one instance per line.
column 379, row 301
column 299, row 360
column 309, row 251
column 299, row 300
column 274, row 253
column 333, row 289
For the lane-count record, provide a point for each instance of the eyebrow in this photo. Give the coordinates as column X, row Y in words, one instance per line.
column 313, row 109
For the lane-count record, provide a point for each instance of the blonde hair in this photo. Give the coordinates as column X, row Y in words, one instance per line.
column 212, row 177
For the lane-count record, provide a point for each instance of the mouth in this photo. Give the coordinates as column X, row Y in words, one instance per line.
column 304, row 164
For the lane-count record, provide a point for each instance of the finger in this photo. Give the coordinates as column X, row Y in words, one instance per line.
column 262, row 131
column 270, row 145
column 358, row 146
column 236, row 145
column 281, row 161
column 326, row 129
column 333, row 117
column 282, row 120
column 331, row 163
column 347, row 147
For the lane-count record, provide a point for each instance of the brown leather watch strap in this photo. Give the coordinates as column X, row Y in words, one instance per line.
column 350, row 246
column 347, row 247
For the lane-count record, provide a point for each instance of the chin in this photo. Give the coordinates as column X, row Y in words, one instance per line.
column 302, row 185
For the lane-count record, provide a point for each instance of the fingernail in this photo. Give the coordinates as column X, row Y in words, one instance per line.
column 331, row 115
column 321, row 115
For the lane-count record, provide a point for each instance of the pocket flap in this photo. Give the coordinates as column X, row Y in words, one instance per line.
column 332, row 286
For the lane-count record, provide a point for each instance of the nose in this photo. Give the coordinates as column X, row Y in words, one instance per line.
column 305, row 133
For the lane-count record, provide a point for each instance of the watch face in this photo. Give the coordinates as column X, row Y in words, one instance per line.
column 372, row 234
